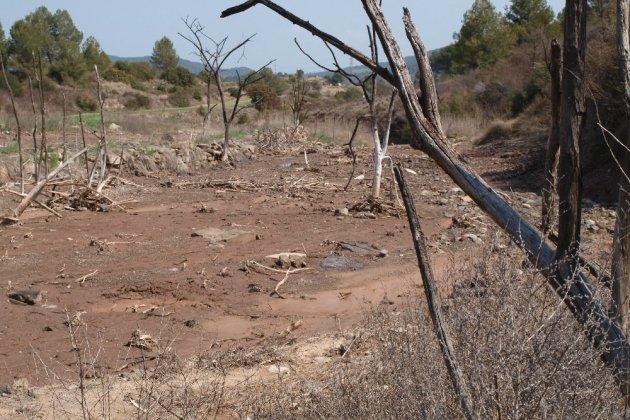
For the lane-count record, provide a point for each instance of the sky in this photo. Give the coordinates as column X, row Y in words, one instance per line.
column 130, row 28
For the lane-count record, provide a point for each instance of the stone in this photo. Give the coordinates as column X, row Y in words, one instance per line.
column 25, row 297
column 279, row 370
column 342, row 212
column 340, row 263
column 476, row 239
column 216, row 236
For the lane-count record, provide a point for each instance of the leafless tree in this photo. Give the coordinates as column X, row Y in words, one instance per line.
column 573, row 287
column 17, row 122
column 369, row 87
column 213, row 60
column 300, row 88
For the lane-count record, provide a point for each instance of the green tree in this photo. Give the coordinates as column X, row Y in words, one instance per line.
column 94, row 55
column 164, row 56
column 528, row 12
column 3, row 43
column 484, row 38
column 54, row 37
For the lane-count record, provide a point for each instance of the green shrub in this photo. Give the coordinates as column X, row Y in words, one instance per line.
column 179, row 76
column 242, row 119
column 196, row 95
column 136, row 101
column 179, row 99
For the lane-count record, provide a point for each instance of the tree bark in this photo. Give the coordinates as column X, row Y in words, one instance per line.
column 433, row 300
column 621, row 239
column 428, row 91
column 549, row 211
column 572, row 110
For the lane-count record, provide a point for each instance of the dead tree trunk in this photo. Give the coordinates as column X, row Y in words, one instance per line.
column 576, row 292
column 433, row 300
column 549, row 211
column 428, row 91
column 572, row 110
column 621, row 240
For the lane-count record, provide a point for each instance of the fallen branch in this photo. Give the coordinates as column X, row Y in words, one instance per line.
column 82, row 279
column 41, row 184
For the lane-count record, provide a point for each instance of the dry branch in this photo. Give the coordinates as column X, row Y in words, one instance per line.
column 41, row 184
column 433, row 300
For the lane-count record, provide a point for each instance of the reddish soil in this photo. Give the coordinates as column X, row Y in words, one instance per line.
column 205, row 297
column 146, row 257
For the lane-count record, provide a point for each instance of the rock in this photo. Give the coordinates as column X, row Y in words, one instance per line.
column 526, row 206
column 190, row 323
column 114, row 128
column 342, row 212
column 6, row 389
column 365, row 215
column 359, row 178
column 289, row 259
column 279, row 370
column 476, row 239
column 340, row 263
column 25, row 297
column 363, row 248
column 254, row 288
column 216, row 236
column 113, row 159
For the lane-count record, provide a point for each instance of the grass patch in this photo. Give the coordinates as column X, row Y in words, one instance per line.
column 9, row 149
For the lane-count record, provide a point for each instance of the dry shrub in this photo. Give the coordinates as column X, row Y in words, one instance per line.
column 499, row 130
column 521, row 351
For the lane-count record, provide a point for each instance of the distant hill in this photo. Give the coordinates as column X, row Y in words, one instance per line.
column 192, row 66
column 362, row 71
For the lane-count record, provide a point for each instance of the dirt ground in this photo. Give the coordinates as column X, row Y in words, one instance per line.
column 139, row 266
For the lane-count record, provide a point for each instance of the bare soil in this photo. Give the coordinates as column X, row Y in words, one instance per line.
column 146, row 271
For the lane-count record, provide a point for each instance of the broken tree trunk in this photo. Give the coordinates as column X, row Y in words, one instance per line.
column 26, row 201
column 428, row 91
column 576, row 292
column 549, row 211
column 621, row 240
column 571, row 111
column 433, row 299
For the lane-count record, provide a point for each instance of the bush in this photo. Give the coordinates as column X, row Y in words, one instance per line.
column 351, row 93
column 14, row 82
column 179, row 99
column 136, row 101
column 179, row 76
column 197, row 95
column 86, row 101
column 518, row 346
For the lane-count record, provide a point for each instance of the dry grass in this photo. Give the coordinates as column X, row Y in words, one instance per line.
column 523, row 355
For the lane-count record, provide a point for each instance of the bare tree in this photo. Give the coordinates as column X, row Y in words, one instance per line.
column 17, row 122
column 213, row 61
column 369, row 86
column 621, row 240
column 575, row 290
column 300, row 88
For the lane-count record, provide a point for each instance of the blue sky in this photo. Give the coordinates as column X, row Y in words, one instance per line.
column 131, row 27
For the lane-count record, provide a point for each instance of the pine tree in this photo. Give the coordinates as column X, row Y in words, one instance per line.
column 484, row 38
column 164, row 56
